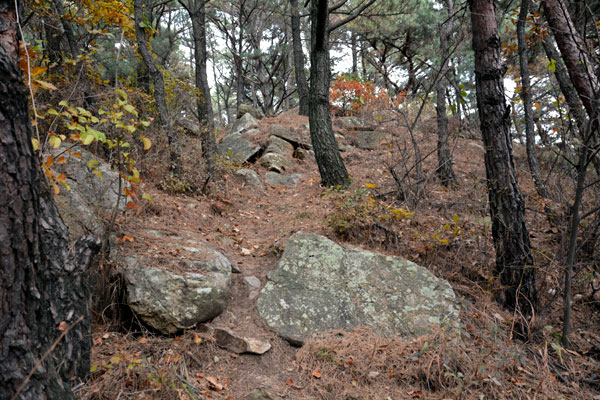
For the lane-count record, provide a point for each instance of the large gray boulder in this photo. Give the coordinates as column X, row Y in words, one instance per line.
column 246, row 122
column 278, row 155
column 93, row 194
column 185, row 290
column 237, row 148
column 320, row 286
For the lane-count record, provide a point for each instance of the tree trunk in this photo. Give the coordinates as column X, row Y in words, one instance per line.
column 160, row 95
column 44, row 286
column 510, row 235
column 572, row 48
column 331, row 166
column 301, row 81
column 197, row 12
column 534, row 166
column 444, row 169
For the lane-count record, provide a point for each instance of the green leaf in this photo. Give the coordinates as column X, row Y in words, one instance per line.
column 552, row 65
column 131, row 109
column 147, row 197
column 86, row 139
column 456, row 218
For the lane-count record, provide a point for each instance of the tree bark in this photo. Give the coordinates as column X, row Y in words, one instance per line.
column 510, row 235
column 301, row 82
column 160, row 95
column 534, row 166
column 444, row 169
column 43, row 284
column 331, row 166
column 197, row 12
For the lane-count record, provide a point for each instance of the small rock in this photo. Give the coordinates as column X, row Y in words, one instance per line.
column 246, row 252
column 275, row 179
column 275, row 162
column 369, row 140
column 374, row 374
column 227, row 340
column 259, row 394
column 246, row 122
column 301, row 140
column 248, row 109
column 251, row 177
column 252, row 282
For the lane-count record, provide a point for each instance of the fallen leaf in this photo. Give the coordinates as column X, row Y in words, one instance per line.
column 62, row 326
column 143, row 340
column 289, row 382
column 214, row 383
column 317, row 374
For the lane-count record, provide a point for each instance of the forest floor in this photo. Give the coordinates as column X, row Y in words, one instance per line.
column 489, row 362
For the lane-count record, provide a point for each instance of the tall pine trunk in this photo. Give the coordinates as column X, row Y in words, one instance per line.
column 43, row 285
column 510, row 235
column 331, row 166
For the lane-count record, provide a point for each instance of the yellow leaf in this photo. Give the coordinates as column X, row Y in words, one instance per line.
column 45, row 85
column 370, row 185
column 86, row 139
column 54, row 141
column 115, row 360
column 537, row 105
column 456, row 218
column 444, row 241
column 147, row 142
column 35, row 143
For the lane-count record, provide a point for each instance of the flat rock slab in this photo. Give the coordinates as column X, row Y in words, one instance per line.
column 237, row 148
column 297, row 139
column 185, row 290
column 320, row 286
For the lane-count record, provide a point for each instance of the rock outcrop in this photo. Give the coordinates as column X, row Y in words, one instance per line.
column 320, row 286
column 93, row 194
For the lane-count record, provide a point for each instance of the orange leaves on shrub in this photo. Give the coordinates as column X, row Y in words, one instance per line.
column 351, row 95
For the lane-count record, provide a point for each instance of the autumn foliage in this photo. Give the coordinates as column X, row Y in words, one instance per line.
column 348, row 96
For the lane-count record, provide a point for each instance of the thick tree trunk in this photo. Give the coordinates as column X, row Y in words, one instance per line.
column 197, row 13
column 510, row 235
column 43, row 285
column 444, row 169
column 331, row 166
column 534, row 166
column 160, row 96
column 301, row 81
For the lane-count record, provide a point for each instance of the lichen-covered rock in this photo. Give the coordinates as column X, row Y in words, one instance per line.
column 246, row 122
column 320, row 286
column 237, row 148
column 192, row 289
column 93, row 194
column 276, row 179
